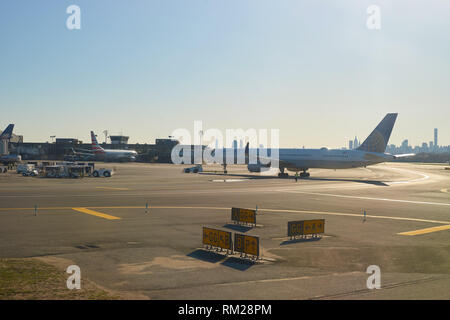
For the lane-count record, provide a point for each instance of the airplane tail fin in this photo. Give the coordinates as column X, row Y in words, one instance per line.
column 378, row 139
column 95, row 146
column 8, row 132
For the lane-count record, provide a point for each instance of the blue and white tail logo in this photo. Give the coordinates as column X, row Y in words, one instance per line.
column 8, row 132
column 378, row 139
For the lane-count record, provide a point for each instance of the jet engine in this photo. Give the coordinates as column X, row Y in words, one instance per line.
column 258, row 167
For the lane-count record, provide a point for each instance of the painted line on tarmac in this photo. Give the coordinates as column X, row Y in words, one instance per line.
column 97, row 214
column 111, row 188
column 114, row 207
column 424, row 176
column 424, row 231
column 39, row 208
column 355, row 215
column 286, row 279
column 445, row 190
column 229, row 208
column 367, row 198
column 228, row 180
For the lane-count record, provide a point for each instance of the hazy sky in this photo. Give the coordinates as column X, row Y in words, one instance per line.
column 144, row 68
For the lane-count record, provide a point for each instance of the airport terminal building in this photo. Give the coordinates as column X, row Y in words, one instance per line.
column 64, row 147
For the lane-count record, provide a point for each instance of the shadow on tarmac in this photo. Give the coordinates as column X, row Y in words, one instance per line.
column 238, row 264
column 250, row 176
column 237, row 227
column 242, row 175
column 373, row 182
column 212, row 257
column 207, row 256
column 286, row 242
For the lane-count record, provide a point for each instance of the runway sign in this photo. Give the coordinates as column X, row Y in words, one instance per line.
column 295, row 228
column 243, row 215
column 304, row 227
column 217, row 238
column 246, row 244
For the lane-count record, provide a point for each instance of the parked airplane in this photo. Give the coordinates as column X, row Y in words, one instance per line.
column 370, row 152
column 4, row 138
column 111, row 154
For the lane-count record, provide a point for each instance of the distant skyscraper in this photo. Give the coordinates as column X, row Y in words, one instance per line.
column 405, row 143
column 435, row 137
column 404, row 147
column 355, row 143
column 350, row 144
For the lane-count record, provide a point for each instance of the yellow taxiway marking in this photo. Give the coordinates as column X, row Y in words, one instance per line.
column 445, row 190
column 111, row 188
column 424, row 231
column 97, row 214
column 356, row 215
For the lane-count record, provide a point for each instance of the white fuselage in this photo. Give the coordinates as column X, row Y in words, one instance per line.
column 302, row 159
column 116, row 155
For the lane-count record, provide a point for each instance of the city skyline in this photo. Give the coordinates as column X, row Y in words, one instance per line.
column 431, row 146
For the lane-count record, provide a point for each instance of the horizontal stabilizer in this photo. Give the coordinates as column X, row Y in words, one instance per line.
column 405, row 155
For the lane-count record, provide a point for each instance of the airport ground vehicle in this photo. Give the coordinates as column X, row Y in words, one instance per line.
column 196, row 169
column 67, row 171
column 21, row 168
column 103, row 172
column 31, row 173
column 3, row 169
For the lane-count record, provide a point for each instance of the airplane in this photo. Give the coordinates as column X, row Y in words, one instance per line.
column 8, row 158
column 111, row 154
column 370, row 152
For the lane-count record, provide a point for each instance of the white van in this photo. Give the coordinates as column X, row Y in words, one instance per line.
column 21, row 168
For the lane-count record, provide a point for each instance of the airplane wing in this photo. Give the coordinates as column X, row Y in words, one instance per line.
column 83, row 152
column 404, row 155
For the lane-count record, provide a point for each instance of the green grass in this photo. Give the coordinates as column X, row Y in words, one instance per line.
column 31, row 279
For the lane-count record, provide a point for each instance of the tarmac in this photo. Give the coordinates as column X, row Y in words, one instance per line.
column 140, row 232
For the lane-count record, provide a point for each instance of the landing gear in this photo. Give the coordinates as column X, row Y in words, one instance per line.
column 282, row 174
column 304, row 174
